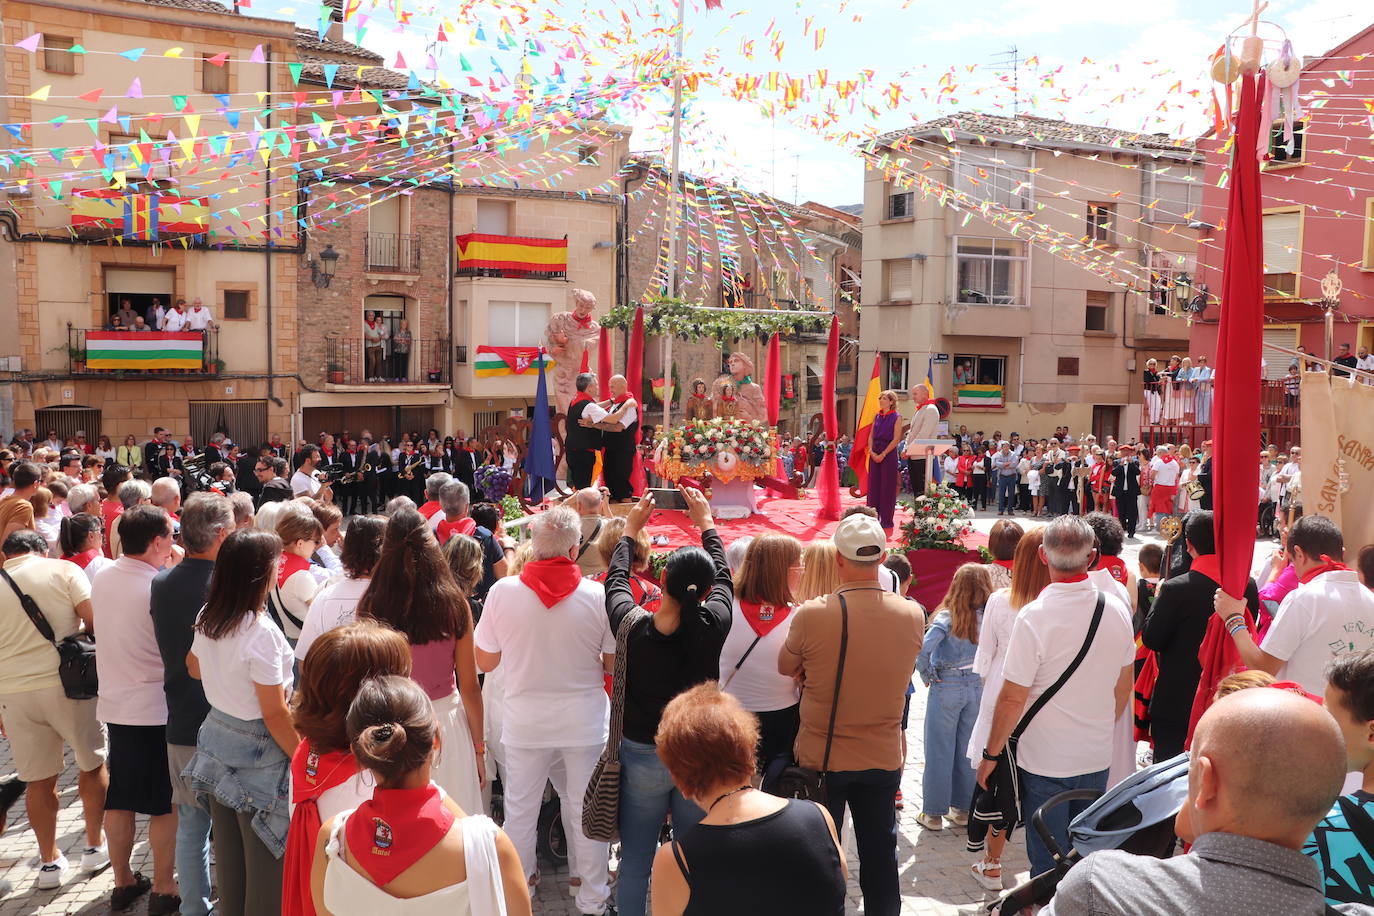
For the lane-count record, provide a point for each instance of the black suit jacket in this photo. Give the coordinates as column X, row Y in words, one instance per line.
column 1126, row 480
column 1174, row 631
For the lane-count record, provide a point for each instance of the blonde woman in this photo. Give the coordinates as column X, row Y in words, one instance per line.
column 130, row 454
column 883, row 441
column 820, row 573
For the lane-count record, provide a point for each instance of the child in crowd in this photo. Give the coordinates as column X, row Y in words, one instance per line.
column 1150, row 559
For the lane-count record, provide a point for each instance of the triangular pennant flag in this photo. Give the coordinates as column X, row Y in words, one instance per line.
column 111, row 116
column 179, row 102
column 330, row 71
column 400, row 62
column 30, row 44
column 16, row 129
column 174, row 52
column 295, row 69
column 135, row 90
column 256, row 57
column 41, row 94
column 92, row 96
column 219, row 59
column 133, row 54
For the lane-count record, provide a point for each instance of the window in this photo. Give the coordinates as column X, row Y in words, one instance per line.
column 1173, row 193
column 998, row 176
column 899, row 205
column 1282, row 238
column 990, row 271
column 1098, row 311
column 121, row 156
column 586, row 155
column 1068, row 365
column 813, row 384
column 1166, row 269
column 516, row 324
column 894, row 367
column 214, row 74
column 898, row 279
column 493, row 217
column 1101, row 224
column 236, row 304
column 1282, row 150
column 58, row 56
column 979, row 370
column 1368, row 234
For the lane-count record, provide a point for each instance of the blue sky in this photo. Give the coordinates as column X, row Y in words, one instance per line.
column 1109, row 62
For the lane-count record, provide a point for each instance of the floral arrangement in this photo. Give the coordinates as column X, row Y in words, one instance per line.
column 493, row 481
column 658, row 563
column 940, row 519
column 511, row 509
column 689, row 321
column 700, row 441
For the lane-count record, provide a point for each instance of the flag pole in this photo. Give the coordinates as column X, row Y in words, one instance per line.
column 674, row 179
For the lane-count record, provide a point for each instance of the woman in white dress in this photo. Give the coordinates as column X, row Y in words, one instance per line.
column 409, row 850
column 1028, row 576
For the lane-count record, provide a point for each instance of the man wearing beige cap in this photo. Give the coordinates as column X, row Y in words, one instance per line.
column 855, row 651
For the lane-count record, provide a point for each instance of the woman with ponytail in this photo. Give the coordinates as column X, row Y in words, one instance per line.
column 409, row 850
column 81, row 538
column 413, row 590
column 676, row 648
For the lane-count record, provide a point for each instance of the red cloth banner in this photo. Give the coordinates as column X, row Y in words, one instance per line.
column 480, row 251
column 772, row 379
column 634, row 375
column 604, row 369
column 828, row 487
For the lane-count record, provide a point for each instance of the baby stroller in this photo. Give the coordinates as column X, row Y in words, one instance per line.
column 1136, row 816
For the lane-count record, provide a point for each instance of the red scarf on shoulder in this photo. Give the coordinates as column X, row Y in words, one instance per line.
column 581, row 396
column 551, row 580
column 1328, row 565
column 764, row 618
column 1115, row 566
column 394, row 829
column 84, row 558
column 290, row 565
column 312, row 775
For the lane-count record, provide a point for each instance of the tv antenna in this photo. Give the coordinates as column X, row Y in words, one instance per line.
column 1012, row 57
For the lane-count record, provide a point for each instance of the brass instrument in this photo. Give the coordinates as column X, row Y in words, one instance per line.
column 1194, row 489
column 409, row 472
column 361, row 472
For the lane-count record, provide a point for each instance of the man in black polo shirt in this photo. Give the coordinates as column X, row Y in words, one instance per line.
column 582, row 442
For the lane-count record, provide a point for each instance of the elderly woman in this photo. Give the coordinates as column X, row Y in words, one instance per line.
column 882, row 459
column 796, row 864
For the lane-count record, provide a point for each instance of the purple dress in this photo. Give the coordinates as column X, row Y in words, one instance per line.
column 882, row 475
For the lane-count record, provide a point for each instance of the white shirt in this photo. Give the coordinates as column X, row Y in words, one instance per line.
column 1165, row 472
column 255, row 653
column 335, row 605
column 198, row 319
column 175, row 321
column 303, row 484
column 1102, row 578
column 1072, row 735
column 888, row 580
column 1365, row 364
column 1291, row 471
column 99, row 562
column 1331, row 615
column 130, row 665
column 555, row 689
column 630, row 416
column 595, row 413
column 993, row 635
column 757, row 684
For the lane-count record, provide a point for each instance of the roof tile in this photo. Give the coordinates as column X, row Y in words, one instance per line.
column 1032, row 130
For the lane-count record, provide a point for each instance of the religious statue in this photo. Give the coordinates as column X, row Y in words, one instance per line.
column 751, row 403
column 698, row 401
column 570, row 338
column 727, row 403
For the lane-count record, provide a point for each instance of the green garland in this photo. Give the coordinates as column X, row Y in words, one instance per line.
column 688, row 320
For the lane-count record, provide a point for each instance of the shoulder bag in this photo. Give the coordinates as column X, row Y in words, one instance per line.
column 802, row 782
column 75, row 653
column 601, row 801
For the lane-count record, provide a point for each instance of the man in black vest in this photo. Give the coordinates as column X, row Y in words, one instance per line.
column 582, row 442
column 621, row 431
column 1126, row 488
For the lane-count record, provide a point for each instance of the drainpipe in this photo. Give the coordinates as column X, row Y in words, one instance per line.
column 267, row 218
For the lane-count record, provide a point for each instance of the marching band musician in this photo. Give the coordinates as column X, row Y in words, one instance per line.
column 351, row 487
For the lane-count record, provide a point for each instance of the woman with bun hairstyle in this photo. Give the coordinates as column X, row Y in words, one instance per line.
column 669, row 651
column 325, row 779
column 243, row 753
column 409, row 850
column 81, row 538
column 413, row 590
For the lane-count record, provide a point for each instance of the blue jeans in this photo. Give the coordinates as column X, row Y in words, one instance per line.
column 193, row 859
column 871, row 796
column 1006, row 493
column 1035, row 791
column 647, row 795
column 951, row 709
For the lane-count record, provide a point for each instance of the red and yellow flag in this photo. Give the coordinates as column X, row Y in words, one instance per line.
column 858, row 456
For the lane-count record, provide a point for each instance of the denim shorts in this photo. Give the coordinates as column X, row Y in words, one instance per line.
column 239, row 764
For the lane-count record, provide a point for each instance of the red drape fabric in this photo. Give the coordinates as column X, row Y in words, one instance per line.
column 828, row 486
column 604, row 369
column 1236, row 405
column 772, row 379
column 634, row 374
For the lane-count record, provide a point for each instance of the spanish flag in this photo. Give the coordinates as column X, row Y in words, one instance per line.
column 858, row 456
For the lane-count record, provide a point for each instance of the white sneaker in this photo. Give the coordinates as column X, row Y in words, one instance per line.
column 930, row 821
column 94, row 859
column 52, row 874
column 958, row 817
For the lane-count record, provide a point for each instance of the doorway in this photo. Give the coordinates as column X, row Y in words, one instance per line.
column 1107, row 422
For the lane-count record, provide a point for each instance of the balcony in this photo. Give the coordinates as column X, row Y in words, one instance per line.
column 516, row 257
column 427, row 363
column 121, row 354
column 387, row 252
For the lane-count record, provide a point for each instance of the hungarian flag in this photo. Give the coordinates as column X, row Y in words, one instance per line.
column 858, row 456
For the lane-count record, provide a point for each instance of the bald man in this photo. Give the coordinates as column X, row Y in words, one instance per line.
column 620, row 437
column 592, row 512
column 1266, row 766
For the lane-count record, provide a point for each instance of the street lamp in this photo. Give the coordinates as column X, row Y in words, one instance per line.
column 1190, row 299
column 322, row 270
column 1330, row 301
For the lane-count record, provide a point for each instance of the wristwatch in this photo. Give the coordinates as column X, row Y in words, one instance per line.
column 987, row 756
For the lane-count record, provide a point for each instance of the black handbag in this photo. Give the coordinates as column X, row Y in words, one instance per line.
column 797, row 781
column 75, row 653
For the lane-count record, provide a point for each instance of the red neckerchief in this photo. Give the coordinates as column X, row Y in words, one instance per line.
column 582, row 396
column 551, row 580
column 763, row 618
column 645, row 593
column 1166, row 458
column 429, row 508
column 1005, row 564
column 394, row 829
column 448, row 529
column 1115, row 567
column 1081, row 577
column 699, row 397
column 84, row 558
column 729, row 399
column 311, row 776
column 372, row 324
column 621, row 399
column 290, row 565
column 1207, row 564
column 1328, row 565
column 582, row 322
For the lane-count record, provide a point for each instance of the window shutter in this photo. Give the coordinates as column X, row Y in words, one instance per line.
column 1276, row 363
column 899, row 280
column 1281, row 242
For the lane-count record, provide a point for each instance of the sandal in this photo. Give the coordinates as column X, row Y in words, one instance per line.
column 121, row 898
column 980, row 874
column 163, row 904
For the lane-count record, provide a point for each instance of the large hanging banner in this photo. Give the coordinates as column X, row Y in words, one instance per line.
column 144, row 350
column 495, row 361
column 1338, row 457
column 139, row 217
column 479, row 251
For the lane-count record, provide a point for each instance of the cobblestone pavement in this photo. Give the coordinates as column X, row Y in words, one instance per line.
column 934, row 866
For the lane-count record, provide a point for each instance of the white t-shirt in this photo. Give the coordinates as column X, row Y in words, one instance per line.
column 888, row 580
column 97, row 563
column 335, row 605
column 1166, row 472
column 1102, row 578
column 631, row 414
column 1329, row 616
column 551, row 659
column 303, row 484
column 1072, row 735
column 255, row 653
column 595, row 413
column 130, row 665
column 1291, row 471
column 175, row 321
column 757, row 684
column 198, row 319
